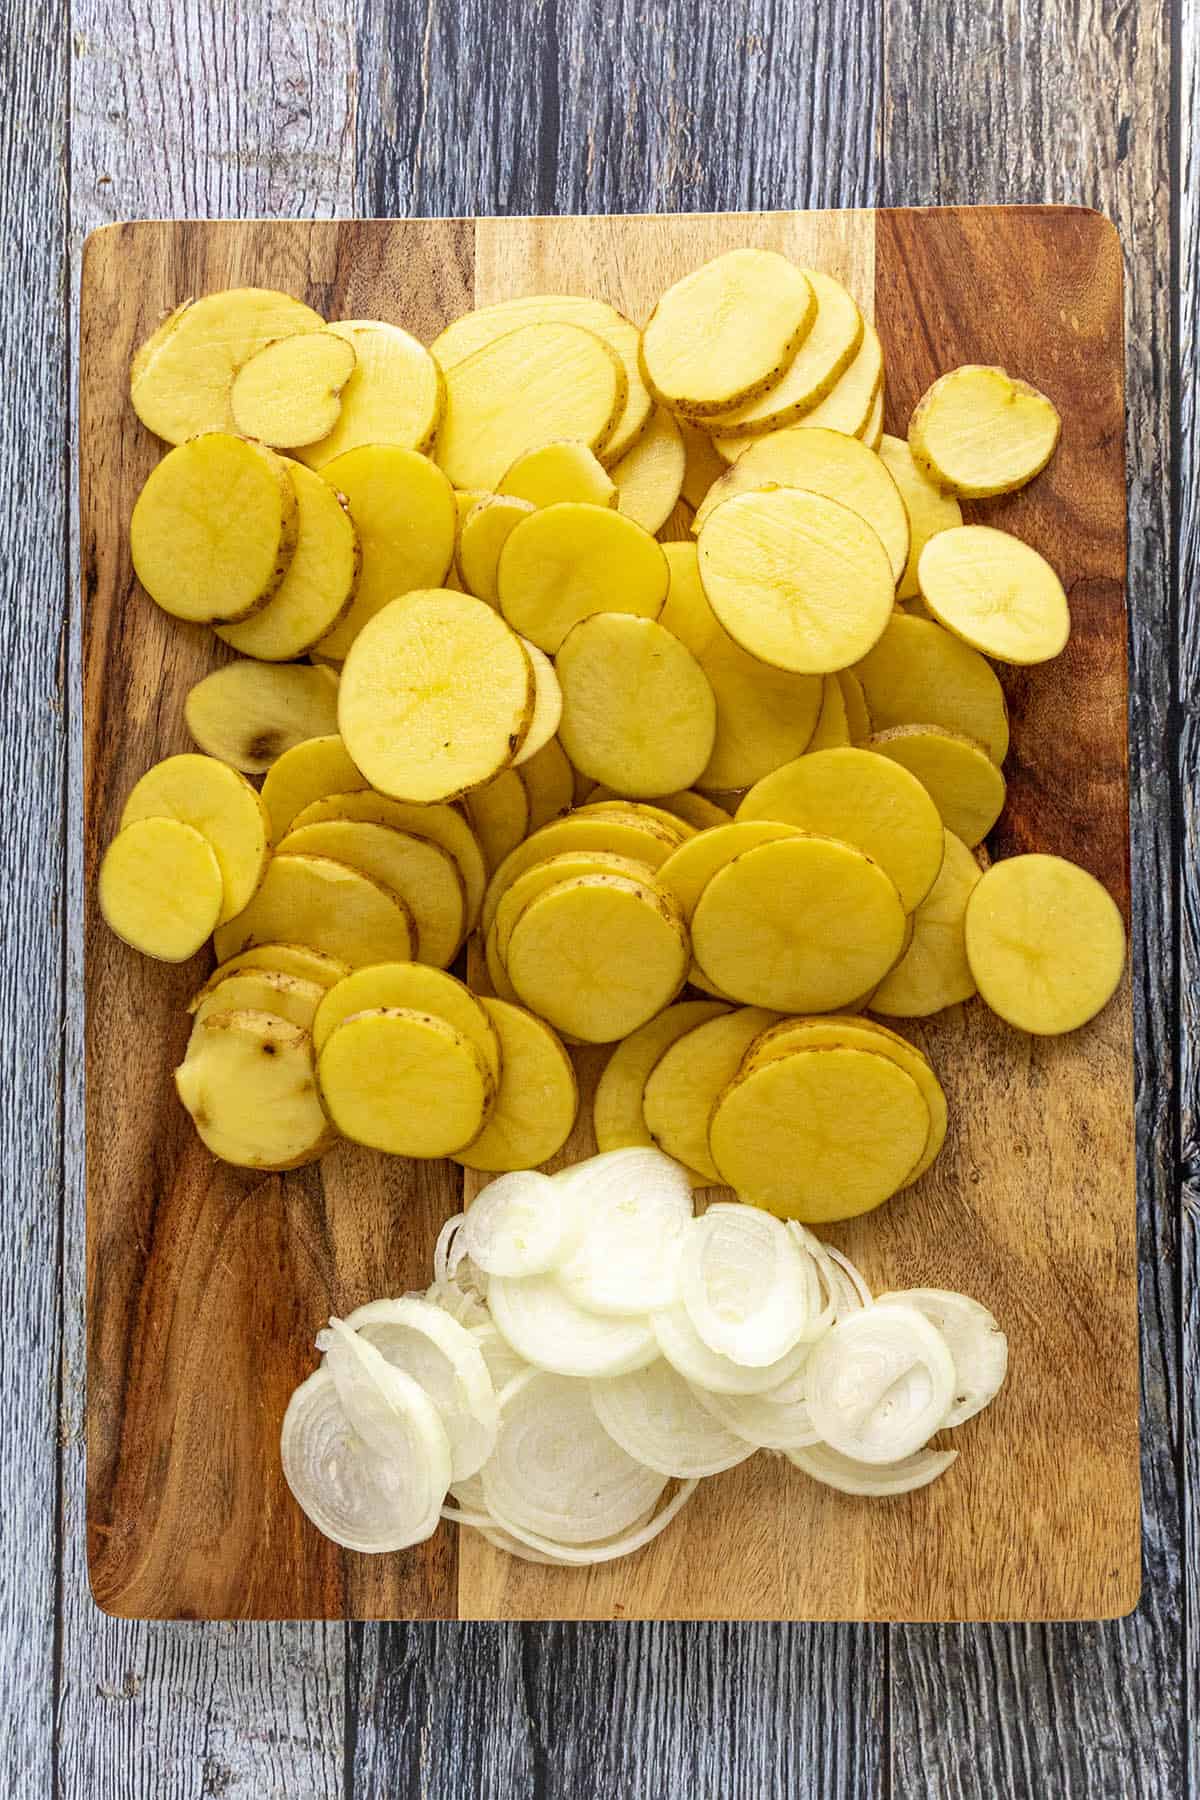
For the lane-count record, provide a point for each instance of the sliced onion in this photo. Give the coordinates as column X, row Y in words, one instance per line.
column 536, row 1548
column 977, row 1344
column 875, row 1480
column 846, row 1290
column 656, row 1416
column 458, row 1302
column 635, row 1203
column 687, row 1353
column 446, row 1360
column 743, row 1281
column 443, row 1246
column 880, row 1383
column 521, row 1224
column 501, row 1359
column 556, row 1472
column 776, row 1420
column 544, row 1325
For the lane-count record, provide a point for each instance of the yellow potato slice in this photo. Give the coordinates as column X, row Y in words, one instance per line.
column 849, row 403
column 930, row 509
column 394, row 395
column 980, row 431
column 702, row 464
column 543, row 875
column 692, row 809
column 160, row 888
column 260, row 990
column 537, row 1099
column 249, row 1085
column 1045, row 943
column 798, row 580
column 214, row 528
column 405, row 1082
column 637, row 709
column 422, row 873
column 858, row 719
column 566, row 470
column 309, row 771
column 804, row 924
column 321, row 578
column 618, row 1119
column 872, row 432
column 598, row 955
column 820, row 1134
column 181, row 376
column 569, row 561
column 685, row 1080
column 826, row 353
column 414, row 987
column 726, row 332
column 222, row 806
column 634, row 810
column 962, row 780
column 290, row 392
column 919, row 674
column 316, row 901
column 832, row 729
column 866, row 800
column 688, row 870
column 485, row 531
column 934, row 973
column 403, row 508
column 549, row 784
column 649, row 478
column 497, row 974
column 442, row 825
column 642, row 839
column 249, row 714
column 499, row 816
column 285, row 959
column 995, row 593
column 436, row 696
column 547, row 705
column 539, row 383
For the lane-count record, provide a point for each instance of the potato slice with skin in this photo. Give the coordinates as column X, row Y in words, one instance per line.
column 847, row 406
column 327, row 905
column 543, row 875
column 566, row 470
column 688, row 871
column 321, row 580
column 702, row 464
column 290, row 392
column 858, row 719
column 798, row 580
column 424, row 875
column 485, row 531
column 394, row 395
column 637, row 708
column 865, row 800
column 248, row 714
column 690, row 808
column 569, row 561
column 499, row 815
column 823, row 357
column 442, row 825
column 181, row 377
column 635, row 811
column 213, row 530
column 979, row 431
column 261, row 990
column 995, row 593
column 403, row 509
column 436, row 697
column 872, row 431
column 624, row 834
column 832, row 729
column 930, row 509
column 308, row 771
column 536, row 1102
column 919, row 674
column 497, row 974
column 221, row 804
column 287, row 959
column 549, row 784
column 726, row 332
column 1045, row 943
column 160, row 888
column 598, row 955
column 618, row 1119
column 649, row 478
column 962, row 780
column 805, row 924
column 547, row 705
column 414, row 987
column 934, row 973
column 249, row 1085
column 688, row 1077
column 820, row 1134
column 405, row 1082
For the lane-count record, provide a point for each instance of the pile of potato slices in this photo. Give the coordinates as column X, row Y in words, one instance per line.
column 608, row 664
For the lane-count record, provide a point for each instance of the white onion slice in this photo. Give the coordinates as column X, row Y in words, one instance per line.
column 977, row 1344
column 742, row 1279
column 634, row 1203
column 845, row 1288
column 536, row 1548
column 521, row 1224
column 855, row 1278
column 877, row 1481
column 776, row 1420
column 501, row 1359
column 544, row 1325
column 656, row 1416
column 443, row 1246
column 686, row 1351
column 457, row 1302
column 880, row 1383
column 446, row 1360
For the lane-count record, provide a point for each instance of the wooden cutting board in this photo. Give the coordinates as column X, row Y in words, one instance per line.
column 206, row 1284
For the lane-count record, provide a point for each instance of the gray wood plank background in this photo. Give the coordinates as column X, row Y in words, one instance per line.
column 319, row 107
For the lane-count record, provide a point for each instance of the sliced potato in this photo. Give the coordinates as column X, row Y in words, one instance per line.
column 549, row 783
column 934, row 973
column 696, row 810
column 436, row 696
column 182, row 375
column 686, row 1079
column 499, row 815
column 919, row 674
column 327, row 905
column 160, row 888
column 497, row 974
column 547, row 705
column 260, row 990
column 649, row 478
column 962, row 780
column 858, row 719
column 425, row 876
column 688, row 870
column 249, row 1085
column 1045, row 943
column 726, row 332
column 930, row 509
column 642, row 839
column 635, row 811
column 826, row 352
column 566, row 470
column 618, row 1119
column 980, row 431
column 416, row 987
column 248, row 714
column 537, row 1099
column 321, row 579
column 638, row 712
column 543, row 875
column 214, row 528
column 443, row 825
column 485, row 531
column 222, row 806
column 404, row 1081
column 308, row 771
column 287, row 959
column 569, row 561
column 290, row 392
column 798, row 580
column 702, row 464
column 995, row 593
column 804, row 924
column 848, row 404
column 832, row 729
column 393, row 396
column 872, row 431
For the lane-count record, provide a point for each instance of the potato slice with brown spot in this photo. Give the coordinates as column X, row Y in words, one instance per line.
column 934, row 972
column 249, row 714
column 290, row 392
column 1045, row 943
column 979, row 431
column 221, row 804
column 321, row 580
column 405, row 1082
column 686, row 1080
column 160, row 888
column 394, row 395
column 424, row 875
column 930, row 509
column 920, row 674
column 962, row 780
column 561, row 565
column 995, row 593
column 726, row 332
column 260, row 990
column 416, row 987
column 248, row 1083
column 638, row 712
column 537, row 1100
column 317, row 901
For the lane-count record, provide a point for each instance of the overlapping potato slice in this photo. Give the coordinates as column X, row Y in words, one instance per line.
column 649, row 477
column 920, row 674
column 825, row 354
column 565, row 470
column 393, row 396
column 321, row 579
column 290, row 392
column 934, row 973
column 565, row 866
column 499, row 816
column 484, row 533
column 962, row 780
column 549, row 782
column 416, row 987
column 687, row 1079
column 421, row 872
column 306, row 772
column 248, row 1082
column 328, row 905
column 618, row 1116
column 638, row 712
column 725, row 333
column 566, row 562
column 220, row 804
column 537, row 1099
column 160, row 888
column 443, row 825
column 260, row 990
column 689, row 869
column 404, row 1081
column 288, row 959
column 930, row 509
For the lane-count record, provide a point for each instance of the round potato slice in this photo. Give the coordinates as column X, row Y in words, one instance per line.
column 695, row 810
column 497, row 974
column 858, row 719
column 995, row 593
column 404, row 1081
column 485, row 531
column 566, row 562
column 598, row 955
column 321, row 579
column 549, row 783
column 635, row 810
column 547, row 705
column 649, row 478
column 624, row 834
column 443, row 825
column 422, row 873
column 684, row 1083
column 618, row 1119
column 536, row 1102
column 832, row 729
column 727, row 331
column 1045, row 943
column 848, row 404
column 566, row 470
column 413, row 987
column 543, row 875
column 804, row 924
column 260, row 990
column 499, row 815
column 249, row 713
column 825, row 354
column 213, row 529
column 688, row 870
column 930, row 509
column 310, row 770
column 222, row 806
column 919, row 674
column 327, row 905
column 393, row 396
column 436, row 696
column 637, row 709
column 287, row 959
column 290, row 392
column 980, row 431
column 934, row 973
column 798, row 580
column 249, row 1085
column 865, row 800
column 820, row 1134
column 872, row 432
column 161, row 888
column 962, row 780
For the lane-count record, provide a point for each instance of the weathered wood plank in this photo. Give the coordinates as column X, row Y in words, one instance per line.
column 1051, row 102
